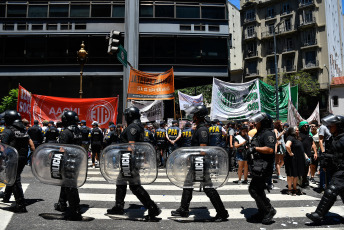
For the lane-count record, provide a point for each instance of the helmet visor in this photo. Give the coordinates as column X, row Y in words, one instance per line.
column 329, row 120
column 257, row 117
column 191, row 110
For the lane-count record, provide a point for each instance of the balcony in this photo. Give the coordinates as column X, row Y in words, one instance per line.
column 311, row 65
column 248, row 3
column 286, row 30
column 289, row 69
column 308, row 22
column 248, row 20
column 251, row 35
column 252, row 73
column 267, row 1
column 252, row 55
column 285, row 13
column 309, row 44
column 304, row 4
column 271, row 71
column 271, row 52
column 268, row 34
column 288, row 49
column 270, row 17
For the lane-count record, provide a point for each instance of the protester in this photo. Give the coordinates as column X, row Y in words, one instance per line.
column 240, row 143
column 280, row 147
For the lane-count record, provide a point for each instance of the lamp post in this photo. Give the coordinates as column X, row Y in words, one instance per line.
column 276, row 74
column 82, row 58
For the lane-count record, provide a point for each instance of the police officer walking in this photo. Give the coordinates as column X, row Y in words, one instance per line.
column 36, row 134
column 133, row 133
column 70, row 135
column 262, row 148
column 173, row 134
column 161, row 143
column 96, row 137
column 15, row 135
column 333, row 159
column 51, row 134
column 85, row 133
column 201, row 138
column 111, row 137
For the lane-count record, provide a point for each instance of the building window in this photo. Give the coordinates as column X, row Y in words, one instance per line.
column 66, row 26
column 22, row 27
column 335, row 101
column 80, row 26
column 164, row 11
column 37, row 27
column 101, row 10
column 214, row 28
column 270, row 12
column 16, row 11
column 271, row 28
column 250, row 31
column 212, row 12
column 308, row 16
column 310, row 59
column 38, row 11
column 251, row 49
column 250, row 15
column 146, row 11
column 187, row 12
column 289, row 44
column 199, row 27
column 58, row 11
column 79, row 11
column 287, row 24
column 8, row 27
column 285, row 8
column 118, row 11
column 2, row 10
column 51, row 26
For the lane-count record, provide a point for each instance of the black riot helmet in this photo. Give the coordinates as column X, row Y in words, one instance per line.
column 264, row 119
column 336, row 120
column 69, row 118
column 10, row 116
column 132, row 113
column 200, row 111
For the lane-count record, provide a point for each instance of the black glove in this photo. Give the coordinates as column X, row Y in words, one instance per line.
column 251, row 150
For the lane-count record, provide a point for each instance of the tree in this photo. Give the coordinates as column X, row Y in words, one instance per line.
column 10, row 101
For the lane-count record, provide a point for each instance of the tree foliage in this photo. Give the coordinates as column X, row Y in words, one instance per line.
column 10, row 101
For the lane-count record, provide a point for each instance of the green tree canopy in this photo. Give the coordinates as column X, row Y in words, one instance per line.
column 10, row 101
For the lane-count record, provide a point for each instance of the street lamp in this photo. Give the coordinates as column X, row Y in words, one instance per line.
column 276, row 74
column 82, row 58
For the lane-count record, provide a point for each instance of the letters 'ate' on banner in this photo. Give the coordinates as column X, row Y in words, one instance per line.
column 24, row 103
column 150, row 110
column 102, row 110
column 185, row 101
column 149, row 86
column 234, row 100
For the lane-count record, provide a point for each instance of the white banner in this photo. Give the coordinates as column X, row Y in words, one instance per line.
column 234, row 100
column 315, row 115
column 294, row 118
column 150, row 110
column 185, row 101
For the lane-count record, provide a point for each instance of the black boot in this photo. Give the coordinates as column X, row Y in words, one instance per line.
column 20, row 206
column 267, row 219
column 74, row 214
column 183, row 210
column 221, row 212
column 118, row 209
column 61, row 207
column 153, row 212
column 180, row 212
column 7, row 194
column 324, row 206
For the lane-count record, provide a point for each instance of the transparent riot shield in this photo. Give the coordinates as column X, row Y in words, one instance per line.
column 134, row 163
column 192, row 167
column 8, row 164
column 60, row 164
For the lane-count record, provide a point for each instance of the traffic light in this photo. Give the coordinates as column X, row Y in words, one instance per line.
column 113, row 42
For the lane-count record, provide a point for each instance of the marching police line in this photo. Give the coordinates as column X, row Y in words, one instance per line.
column 205, row 168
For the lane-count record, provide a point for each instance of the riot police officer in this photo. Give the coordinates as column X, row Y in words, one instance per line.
column 15, row 135
column 96, row 137
column 51, row 134
column 36, row 134
column 85, row 132
column 217, row 133
column 173, row 134
column 161, row 143
column 261, row 167
column 186, row 135
column 201, row 138
column 111, row 137
column 334, row 159
column 133, row 133
column 70, row 135
column 149, row 137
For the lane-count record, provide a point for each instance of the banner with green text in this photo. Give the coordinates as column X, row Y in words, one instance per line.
column 234, row 100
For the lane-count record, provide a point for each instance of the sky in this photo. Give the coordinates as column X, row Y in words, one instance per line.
column 237, row 4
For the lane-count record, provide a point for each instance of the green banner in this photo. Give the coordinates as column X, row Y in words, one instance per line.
column 268, row 100
column 294, row 91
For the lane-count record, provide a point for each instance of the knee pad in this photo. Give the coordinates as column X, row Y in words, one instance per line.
column 331, row 191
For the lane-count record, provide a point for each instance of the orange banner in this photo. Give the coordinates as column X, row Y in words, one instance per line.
column 24, row 103
column 102, row 110
column 149, row 86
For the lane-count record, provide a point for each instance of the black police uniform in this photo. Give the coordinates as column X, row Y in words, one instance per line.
column 149, row 137
column 134, row 132
column 161, row 145
column 173, row 133
column 334, row 160
column 263, row 138
column 186, row 137
column 201, row 136
column 36, row 134
column 215, row 132
column 16, row 136
column 70, row 135
column 111, row 138
column 96, row 142
column 51, row 135
column 85, row 141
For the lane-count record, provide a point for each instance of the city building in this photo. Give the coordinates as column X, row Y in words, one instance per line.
column 39, row 41
column 337, row 96
column 309, row 37
column 235, row 37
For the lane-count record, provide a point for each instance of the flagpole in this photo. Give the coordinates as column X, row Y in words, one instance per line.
column 174, row 107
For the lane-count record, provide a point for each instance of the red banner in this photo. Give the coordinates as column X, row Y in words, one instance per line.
column 24, row 103
column 102, row 110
